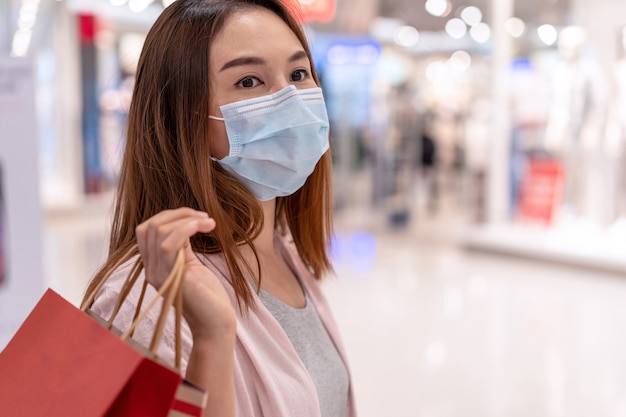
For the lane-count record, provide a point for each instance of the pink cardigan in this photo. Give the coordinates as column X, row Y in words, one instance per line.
column 270, row 378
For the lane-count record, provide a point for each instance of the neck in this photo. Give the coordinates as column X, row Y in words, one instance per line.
column 265, row 241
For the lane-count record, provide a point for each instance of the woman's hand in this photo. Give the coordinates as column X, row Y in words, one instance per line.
column 206, row 305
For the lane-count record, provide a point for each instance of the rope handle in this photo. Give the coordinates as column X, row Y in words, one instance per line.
column 170, row 292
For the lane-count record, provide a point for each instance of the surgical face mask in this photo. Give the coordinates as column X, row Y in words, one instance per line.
column 276, row 141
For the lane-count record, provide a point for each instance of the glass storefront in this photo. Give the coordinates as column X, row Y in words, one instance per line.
column 518, row 109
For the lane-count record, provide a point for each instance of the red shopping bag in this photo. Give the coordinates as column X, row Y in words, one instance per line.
column 62, row 363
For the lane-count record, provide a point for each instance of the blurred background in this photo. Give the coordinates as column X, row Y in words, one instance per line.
column 480, row 188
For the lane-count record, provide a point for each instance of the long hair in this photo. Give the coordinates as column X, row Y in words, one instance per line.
column 167, row 163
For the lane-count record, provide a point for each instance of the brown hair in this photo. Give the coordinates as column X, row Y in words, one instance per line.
column 166, row 162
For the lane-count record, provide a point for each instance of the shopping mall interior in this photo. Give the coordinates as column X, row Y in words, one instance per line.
column 479, row 250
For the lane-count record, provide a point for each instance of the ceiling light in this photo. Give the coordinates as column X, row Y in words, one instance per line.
column 460, row 61
column 515, row 27
column 472, row 15
column 436, row 72
column 456, row 28
column 548, row 34
column 480, row 33
column 438, row 8
column 407, row 36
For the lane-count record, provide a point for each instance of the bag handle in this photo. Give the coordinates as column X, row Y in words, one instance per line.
column 170, row 292
column 88, row 301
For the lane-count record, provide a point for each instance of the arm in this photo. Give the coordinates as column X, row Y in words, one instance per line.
column 211, row 367
column 211, row 360
column 206, row 304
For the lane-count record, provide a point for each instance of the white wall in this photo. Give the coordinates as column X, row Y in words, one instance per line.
column 19, row 150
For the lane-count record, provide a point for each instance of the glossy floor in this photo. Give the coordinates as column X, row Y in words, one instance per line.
column 436, row 331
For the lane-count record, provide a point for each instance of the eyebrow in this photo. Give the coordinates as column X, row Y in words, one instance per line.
column 253, row 60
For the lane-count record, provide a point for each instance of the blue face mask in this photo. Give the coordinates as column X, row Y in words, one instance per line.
column 276, row 141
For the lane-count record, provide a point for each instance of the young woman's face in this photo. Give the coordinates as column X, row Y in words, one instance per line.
column 255, row 54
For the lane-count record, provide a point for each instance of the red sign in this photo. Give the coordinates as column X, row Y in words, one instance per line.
column 541, row 191
column 87, row 27
column 310, row 10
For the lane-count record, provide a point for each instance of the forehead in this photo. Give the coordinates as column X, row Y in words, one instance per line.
column 253, row 31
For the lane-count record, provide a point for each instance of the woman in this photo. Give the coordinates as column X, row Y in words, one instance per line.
column 227, row 156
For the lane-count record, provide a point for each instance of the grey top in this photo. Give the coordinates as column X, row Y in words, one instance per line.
column 316, row 350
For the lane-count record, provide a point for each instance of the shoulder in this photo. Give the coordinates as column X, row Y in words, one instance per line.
column 113, row 288
column 107, row 295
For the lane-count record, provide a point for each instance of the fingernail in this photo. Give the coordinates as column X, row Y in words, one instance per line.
column 203, row 213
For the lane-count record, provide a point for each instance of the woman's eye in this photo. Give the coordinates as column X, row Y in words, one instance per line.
column 299, row 75
column 248, row 82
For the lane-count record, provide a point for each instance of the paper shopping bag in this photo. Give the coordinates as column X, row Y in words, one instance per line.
column 63, row 363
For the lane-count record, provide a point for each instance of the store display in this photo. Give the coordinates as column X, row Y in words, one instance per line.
column 559, row 97
column 577, row 122
column 541, row 191
column 617, row 141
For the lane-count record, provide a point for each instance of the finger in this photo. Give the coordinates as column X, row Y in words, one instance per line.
column 204, row 224
column 146, row 232
column 158, row 230
column 141, row 235
column 167, row 216
column 189, row 254
column 177, row 234
column 160, row 225
column 168, row 241
column 168, row 237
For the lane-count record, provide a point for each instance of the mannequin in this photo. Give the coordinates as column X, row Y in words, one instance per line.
column 577, row 123
column 616, row 135
column 620, row 78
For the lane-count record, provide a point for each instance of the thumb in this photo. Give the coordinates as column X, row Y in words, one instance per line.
column 190, row 256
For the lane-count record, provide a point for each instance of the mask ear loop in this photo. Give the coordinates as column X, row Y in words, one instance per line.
column 221, row 119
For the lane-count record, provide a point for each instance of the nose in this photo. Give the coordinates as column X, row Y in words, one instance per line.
column 277, row 88
column 278, row 83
